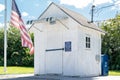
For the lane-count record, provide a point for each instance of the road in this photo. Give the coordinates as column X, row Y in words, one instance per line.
column 54, row 77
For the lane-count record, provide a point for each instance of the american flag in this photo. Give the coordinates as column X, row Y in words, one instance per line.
column 17, row 22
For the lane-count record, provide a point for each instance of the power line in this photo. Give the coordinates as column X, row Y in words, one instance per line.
column 107, row 6
column 95, row 10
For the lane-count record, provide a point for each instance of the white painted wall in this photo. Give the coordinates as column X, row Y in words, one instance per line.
column 39, row 57
column 53, row 12
column 80, row 61
column 53, row 59
column 69, row 58
column 88, row 66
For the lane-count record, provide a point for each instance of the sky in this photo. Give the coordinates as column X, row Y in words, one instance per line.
column 32, row 9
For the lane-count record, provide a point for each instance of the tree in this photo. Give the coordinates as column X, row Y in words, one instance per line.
column 111, row 41
column 1, row 46
column 14, row 49
column 16, row 54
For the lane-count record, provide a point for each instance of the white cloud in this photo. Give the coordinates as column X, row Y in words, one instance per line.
column 1, row 15
column 98, row 2
column 117, row 3
column 1, row 25
column 31, row 17
column 117, row 6
column 84, row 3
column 76, row 3
column 25, row 14
column 49, row 2
column 2, row 7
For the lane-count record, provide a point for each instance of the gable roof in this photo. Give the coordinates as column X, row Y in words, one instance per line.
column 75, row 16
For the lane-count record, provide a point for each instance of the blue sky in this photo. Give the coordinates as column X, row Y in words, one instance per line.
column 31, row 9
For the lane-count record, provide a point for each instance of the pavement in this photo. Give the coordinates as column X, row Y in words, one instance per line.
column 54, row 77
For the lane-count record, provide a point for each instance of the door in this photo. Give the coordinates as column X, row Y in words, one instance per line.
column 54, row 52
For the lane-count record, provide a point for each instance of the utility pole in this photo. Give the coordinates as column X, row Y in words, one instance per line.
column 92, row 13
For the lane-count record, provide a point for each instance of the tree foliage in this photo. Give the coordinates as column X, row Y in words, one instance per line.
column 1, row 45
column 111, row 41
column 16, row 54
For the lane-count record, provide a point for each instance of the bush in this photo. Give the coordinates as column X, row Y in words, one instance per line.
column 28, row 60
column 16, row 54
column 111, row 41
column 1, row 61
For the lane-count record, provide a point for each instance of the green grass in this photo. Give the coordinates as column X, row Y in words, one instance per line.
column 114, row 73
column 17, row 70
column 28, row 70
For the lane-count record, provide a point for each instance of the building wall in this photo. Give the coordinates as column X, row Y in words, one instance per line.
column 39, row 57
column 47, row 39
column 80, row 61
column 69, row 58
column 53, row 11
column 89, row 60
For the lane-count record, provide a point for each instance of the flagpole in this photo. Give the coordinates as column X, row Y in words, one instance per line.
column 5, row 37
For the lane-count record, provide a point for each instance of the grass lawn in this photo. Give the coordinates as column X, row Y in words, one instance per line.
column 28, row 70
column 17, row 70
column 114, row 73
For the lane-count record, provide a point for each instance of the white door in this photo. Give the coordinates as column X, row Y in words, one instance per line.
column 54, row 52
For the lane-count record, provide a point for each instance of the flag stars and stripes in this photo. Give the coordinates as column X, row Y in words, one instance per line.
column 17, row 22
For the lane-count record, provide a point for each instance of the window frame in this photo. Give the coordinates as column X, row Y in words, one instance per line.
column 88, row 42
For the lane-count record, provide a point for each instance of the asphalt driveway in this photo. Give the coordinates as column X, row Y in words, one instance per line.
column 54, row 77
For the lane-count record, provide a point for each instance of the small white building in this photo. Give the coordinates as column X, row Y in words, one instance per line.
column 66, row 43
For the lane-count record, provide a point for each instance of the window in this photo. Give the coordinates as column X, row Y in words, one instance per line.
column 68, row 46
column 88, row 42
